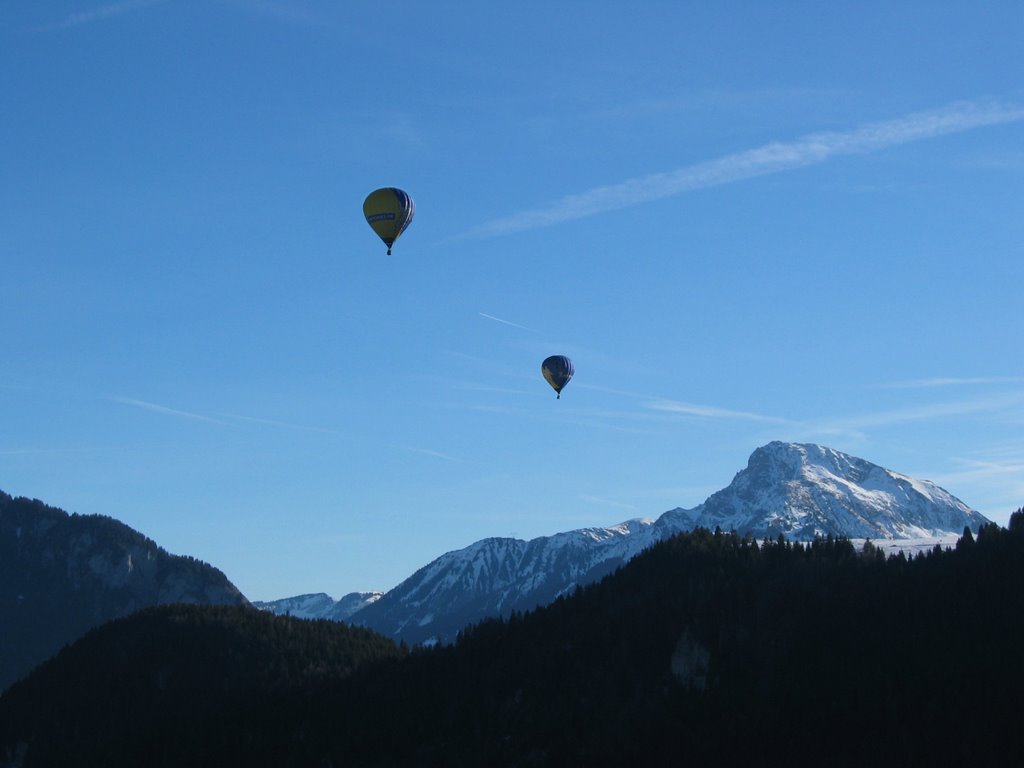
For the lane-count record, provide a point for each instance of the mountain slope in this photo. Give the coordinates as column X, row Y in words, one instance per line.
column 496, row 576
column 706, row 649
column 62, row 574
column 799, row 490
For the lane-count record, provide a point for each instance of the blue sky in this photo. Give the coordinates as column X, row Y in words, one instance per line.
column 743, row 223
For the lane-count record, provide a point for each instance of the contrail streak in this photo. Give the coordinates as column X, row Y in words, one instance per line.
column 506, row 322
column 771, row 158
column 156, row 408
column 709, row 411
column 105, row 11
column 952, row 382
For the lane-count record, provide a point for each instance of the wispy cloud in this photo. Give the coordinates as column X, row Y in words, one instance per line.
column 506, row 322
column 102, row 12
column 282, row 424
column 283, row 11
column 428, row 452
column 859, row 426
column 771, row 158
column 993, row 481
column 1012, row 162
column 976, row 469
column 856, row 426
column 708, row 411
column 481, row 408
column 37, row 451
column 495, row 390
column 163, row 409
column 289, row 12
column 928, row 412
column 224, row 419
column 954, row 382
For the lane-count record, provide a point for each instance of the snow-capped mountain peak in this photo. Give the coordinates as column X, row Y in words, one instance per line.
column 806, row 490
column 798, row 490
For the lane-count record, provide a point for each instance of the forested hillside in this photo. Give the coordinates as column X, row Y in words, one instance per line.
column 62, row 574
column 174, row 678
column 708, row 648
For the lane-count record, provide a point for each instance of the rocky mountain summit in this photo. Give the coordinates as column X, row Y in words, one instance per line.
column 803, row 491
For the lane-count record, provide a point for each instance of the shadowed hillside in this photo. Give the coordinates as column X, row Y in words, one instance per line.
column 708, row 648
column 62, row 574
column 138, row 685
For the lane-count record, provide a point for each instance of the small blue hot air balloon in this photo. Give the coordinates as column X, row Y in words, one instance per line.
column 557, row 370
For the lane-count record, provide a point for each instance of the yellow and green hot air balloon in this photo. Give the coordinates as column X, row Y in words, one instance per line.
column 389, row 211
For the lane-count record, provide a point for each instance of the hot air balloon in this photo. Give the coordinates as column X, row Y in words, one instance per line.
column 388, row 210
column 557, row 370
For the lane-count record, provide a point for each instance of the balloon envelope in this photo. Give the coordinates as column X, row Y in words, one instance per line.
column 388, row 210
column 557, row 370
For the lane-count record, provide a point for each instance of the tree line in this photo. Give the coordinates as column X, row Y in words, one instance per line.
column 708, row 648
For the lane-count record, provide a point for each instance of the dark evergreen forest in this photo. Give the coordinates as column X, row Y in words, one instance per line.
column 707, row 649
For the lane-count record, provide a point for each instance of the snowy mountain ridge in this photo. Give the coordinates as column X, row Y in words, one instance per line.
column 806, row 490
column 319, row 605
column 798, row 490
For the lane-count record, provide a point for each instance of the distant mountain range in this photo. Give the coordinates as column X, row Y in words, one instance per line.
column 319, row 605
column 800, row 491
column 705, row 649
column 62, row 574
